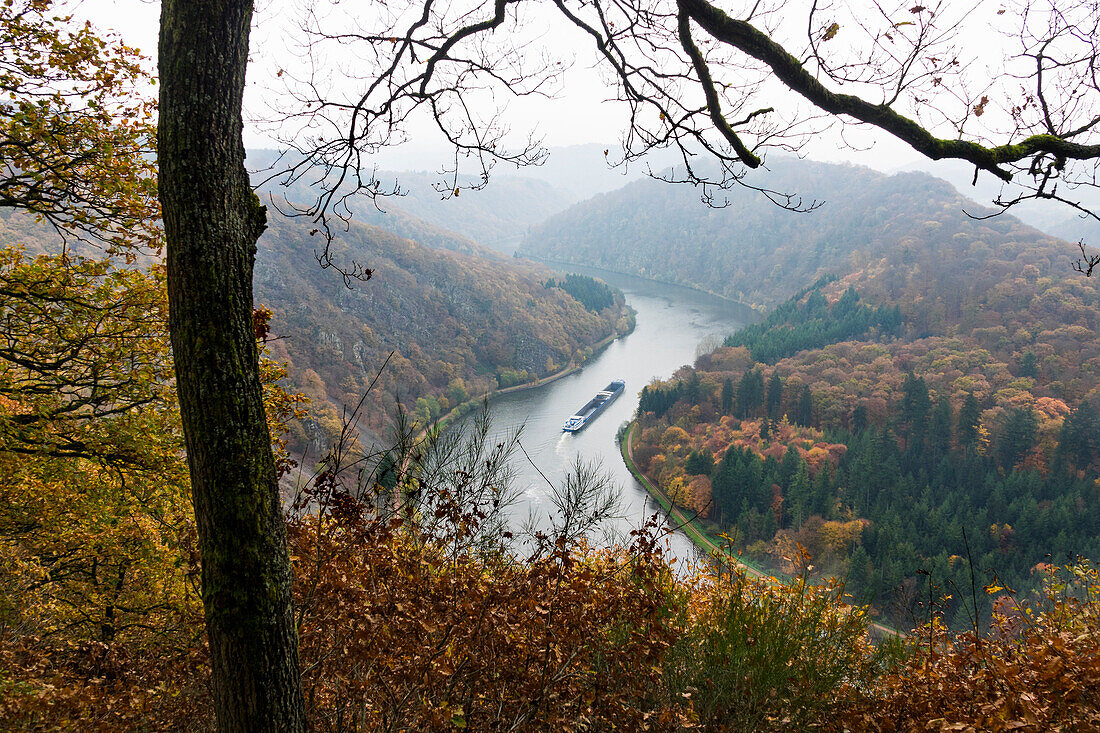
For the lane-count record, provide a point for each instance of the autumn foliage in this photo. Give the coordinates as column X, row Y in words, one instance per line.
column 396, row 635
column 408, row 624
column 1037, row 668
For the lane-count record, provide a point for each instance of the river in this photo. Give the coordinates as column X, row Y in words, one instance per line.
column 672, row 323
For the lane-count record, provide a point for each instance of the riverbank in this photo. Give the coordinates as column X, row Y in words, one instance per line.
column 689, row 525
column 473, row 403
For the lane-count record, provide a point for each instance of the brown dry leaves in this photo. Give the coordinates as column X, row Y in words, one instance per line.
column 1037, row 670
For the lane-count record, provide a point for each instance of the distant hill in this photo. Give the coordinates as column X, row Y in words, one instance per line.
column 761, row 254
column 585, row 171
column 496, row 216
column 1052, row 218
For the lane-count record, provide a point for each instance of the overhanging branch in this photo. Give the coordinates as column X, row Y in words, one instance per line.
column 789, row 70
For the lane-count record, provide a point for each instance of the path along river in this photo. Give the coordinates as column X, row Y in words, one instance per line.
column 672, row 323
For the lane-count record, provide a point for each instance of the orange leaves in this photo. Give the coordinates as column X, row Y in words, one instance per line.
column 1037, row 669
column 389, row 621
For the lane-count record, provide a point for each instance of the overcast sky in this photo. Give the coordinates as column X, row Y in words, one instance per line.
column 559, row 121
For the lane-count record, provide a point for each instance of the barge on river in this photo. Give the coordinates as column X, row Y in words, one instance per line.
column 594, row 406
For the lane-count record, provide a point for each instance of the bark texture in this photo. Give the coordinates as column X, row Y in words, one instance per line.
column 212, row 220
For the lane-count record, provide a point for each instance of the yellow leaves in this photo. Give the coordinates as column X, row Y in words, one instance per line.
column 830, row 32
column 81, row 134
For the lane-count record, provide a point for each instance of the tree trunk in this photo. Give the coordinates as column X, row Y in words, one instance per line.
column 212, row 220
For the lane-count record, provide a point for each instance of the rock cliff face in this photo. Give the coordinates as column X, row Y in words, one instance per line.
column 447, row 322
column 533, row 354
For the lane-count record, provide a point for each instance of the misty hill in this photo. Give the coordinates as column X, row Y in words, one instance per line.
column 1053, row 218
column 585, row 170
column 759, row 253
column 496, row 216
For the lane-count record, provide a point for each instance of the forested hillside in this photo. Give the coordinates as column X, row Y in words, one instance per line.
column 759, row 253
column 933, row 410
column 458, row 325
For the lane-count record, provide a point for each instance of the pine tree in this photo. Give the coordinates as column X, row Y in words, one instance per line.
column 969, row 418
column 750, row 393
column 915, row 406
column 805, row 412
column 1029, row 365
column 1079, row 439
column 799, row 494
column 939, row 438
column 859, row 418
column 823, row 492
column 774, row 398
column 1017, row 437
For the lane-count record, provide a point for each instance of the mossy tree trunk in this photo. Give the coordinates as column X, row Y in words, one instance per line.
column 212, row 220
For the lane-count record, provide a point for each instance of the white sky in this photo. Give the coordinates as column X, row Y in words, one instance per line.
column 582, row 97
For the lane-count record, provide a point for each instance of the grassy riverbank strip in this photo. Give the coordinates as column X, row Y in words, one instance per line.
column 690, row 525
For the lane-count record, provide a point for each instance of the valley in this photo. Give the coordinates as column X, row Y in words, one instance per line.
column 350, row 381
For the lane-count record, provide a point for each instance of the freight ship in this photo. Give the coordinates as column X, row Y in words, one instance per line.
column 593, row 407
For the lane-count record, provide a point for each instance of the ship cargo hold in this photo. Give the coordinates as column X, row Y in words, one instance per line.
column 594, row 406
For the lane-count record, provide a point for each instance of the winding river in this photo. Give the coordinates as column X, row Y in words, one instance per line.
column 672, row 323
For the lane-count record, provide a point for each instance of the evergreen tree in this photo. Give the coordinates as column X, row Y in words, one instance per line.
column 859, row 418
column 939, row 438
column 860, row 569
column 1029, row 365
column 1017, row 437
column 823, row 492
column 789, row 467
column 805, row 413
column 750, row 393
column 969, row 417
column 774, row 398
column 727, row 396
column 915, row 406
column 799, row 494
column 1079, row 439
column 699, row 463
